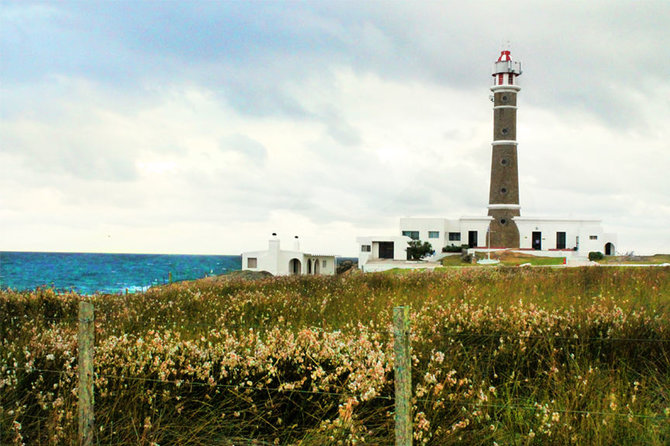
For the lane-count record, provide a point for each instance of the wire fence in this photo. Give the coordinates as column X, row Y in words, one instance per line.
column 388, row 398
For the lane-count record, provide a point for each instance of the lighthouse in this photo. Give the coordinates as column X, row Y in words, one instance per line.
column 504, row 227
column 504, row 191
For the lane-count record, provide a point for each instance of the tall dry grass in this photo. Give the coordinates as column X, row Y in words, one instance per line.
column 513, row 356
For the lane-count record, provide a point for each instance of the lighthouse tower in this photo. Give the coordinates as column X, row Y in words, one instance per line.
column 504, row 192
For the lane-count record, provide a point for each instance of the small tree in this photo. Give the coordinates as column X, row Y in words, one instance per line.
column 417, row 250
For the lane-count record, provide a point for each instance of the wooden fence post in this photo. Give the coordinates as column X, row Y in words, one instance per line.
column 403, row 377
column 86, row 347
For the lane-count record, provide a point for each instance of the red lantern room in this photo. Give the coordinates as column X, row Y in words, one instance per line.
column 505, row 70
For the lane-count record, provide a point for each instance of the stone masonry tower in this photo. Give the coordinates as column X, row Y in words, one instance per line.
column 504, row 192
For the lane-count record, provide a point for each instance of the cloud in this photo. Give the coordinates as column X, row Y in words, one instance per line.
column 246, row 146
column 225, row 119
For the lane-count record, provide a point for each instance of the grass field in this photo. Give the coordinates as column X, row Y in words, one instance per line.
column 506, row 258
column 507, row 355
column 656, row 259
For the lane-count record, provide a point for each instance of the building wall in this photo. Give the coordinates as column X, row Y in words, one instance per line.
column 585, row 235
column 426, row 226
column 399, row 247
column 445, row 226
column 479, row 224
column 326, row 265
column 264, row 261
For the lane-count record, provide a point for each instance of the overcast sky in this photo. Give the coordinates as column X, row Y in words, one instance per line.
column 202, row 127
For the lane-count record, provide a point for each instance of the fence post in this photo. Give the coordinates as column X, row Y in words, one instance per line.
column 403, row 377
column 86, row 347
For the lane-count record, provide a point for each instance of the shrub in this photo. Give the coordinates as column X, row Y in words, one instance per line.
column 596, row 255
column 453, row 248
column 417, row 250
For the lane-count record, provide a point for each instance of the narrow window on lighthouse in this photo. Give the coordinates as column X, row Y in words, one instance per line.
column 511, row 78
column 500, row 79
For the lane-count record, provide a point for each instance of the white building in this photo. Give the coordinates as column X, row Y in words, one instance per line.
column 281, row 262
column 553, row 236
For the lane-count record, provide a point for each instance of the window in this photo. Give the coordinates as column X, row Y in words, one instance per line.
column 593, row 237
column 252, row 262
column 454, row 236
column 414, row 235
column 366, row 248
column 323, row 264
column 433, row 234
column 560, row 240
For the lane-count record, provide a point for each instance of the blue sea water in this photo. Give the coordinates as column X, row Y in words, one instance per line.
column 88, row 273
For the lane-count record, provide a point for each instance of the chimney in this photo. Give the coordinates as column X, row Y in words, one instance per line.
column 296, row 244
column 273, row 244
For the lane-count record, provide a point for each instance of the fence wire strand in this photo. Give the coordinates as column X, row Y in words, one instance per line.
column 243, row 387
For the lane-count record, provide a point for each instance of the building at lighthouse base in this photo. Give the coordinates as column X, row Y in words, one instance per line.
column 549, row 236
column 570, row 238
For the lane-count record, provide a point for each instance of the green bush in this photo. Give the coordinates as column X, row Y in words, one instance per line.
column 596, row 255
column 453, row 248
column 417, row 250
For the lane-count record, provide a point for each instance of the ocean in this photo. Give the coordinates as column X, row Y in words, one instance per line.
column 89, row 273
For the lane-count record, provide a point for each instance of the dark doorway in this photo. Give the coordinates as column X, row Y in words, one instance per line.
column 609, row 249
column 385, row 250
column 294, row 266
column 472, row 239
column 560, row 240
column 537, row 240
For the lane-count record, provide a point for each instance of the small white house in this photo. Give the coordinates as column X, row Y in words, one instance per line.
column 281, row 262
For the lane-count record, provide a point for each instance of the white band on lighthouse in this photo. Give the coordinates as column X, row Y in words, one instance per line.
column 505, row 106
column 504, row 142
column 505, row 88
column 504, row 206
